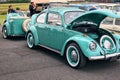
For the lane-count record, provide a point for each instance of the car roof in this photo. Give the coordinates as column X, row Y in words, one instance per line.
column 85, row 4
column 62, row 10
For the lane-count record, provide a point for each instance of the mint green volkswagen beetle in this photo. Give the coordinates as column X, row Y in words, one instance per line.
column 15, row 24
column 75, row 34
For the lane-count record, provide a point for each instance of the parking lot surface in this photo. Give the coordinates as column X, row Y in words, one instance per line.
column 18, row 62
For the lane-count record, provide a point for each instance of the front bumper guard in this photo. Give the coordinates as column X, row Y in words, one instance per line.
column 105, row 56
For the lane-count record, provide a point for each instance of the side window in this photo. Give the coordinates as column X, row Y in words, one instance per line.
column 108, row 20
column 54, row 19
column 41, row 18
column 117, row 21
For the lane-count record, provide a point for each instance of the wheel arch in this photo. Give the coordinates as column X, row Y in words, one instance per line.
column 81, row 41
column 34, row 32
column 67, row 43
column 3, row 27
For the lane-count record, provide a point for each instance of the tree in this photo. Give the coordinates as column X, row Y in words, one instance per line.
column 116, row 0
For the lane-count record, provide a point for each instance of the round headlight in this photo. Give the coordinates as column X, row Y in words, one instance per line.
column 92, row 45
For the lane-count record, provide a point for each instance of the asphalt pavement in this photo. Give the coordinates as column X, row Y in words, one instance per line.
column 18, row 62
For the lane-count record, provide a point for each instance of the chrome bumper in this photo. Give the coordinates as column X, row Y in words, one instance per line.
column 105, row 56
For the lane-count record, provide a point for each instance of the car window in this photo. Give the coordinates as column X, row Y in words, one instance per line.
column 54, row 19
column 117, row 8
column 71, row 15
column 41, row 18
column 82, row 7
column 117, row 21
column 109, row 7
column 108, row 20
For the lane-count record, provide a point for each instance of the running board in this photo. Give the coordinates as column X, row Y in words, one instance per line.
column 50, row 49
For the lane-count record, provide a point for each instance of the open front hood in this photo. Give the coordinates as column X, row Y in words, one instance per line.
column 94, row 17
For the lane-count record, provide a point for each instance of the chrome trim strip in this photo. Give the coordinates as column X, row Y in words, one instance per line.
column 19, row 17
column 17, row 35
column 104, row 57
column 50, row 49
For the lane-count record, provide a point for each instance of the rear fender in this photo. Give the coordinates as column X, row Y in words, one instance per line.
column 7, row 25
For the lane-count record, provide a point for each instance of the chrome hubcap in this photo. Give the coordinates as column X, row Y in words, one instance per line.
column 31, row 39
column 4, row 33
column 74, row 56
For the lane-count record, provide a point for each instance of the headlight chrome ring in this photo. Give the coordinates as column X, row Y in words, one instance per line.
column 92, row 45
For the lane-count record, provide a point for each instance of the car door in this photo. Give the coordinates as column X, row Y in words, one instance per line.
column 42, row 29
column 56, row 32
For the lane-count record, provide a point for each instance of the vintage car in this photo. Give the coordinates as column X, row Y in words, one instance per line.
column 112, row 24
column 42, row 6
column 15, row 24
column 75, row 34
column 85, row 7
column 110, row 6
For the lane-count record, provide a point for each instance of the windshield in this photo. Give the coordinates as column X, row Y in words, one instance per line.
column 71, row 15
column 117, row 21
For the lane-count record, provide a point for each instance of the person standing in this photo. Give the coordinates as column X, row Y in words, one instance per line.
column 93, row 8
column 32, row 8
column 11, row 10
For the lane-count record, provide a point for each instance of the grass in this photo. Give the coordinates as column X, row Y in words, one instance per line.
column 22, row 6
column 2, row 18
column 4, row 9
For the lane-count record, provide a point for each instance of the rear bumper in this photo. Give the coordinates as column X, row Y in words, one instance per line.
column 105, row 56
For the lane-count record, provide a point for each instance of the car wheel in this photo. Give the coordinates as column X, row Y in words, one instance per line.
column 30, row 40
column 26, row 25
column 74, row 56
column 4, row 33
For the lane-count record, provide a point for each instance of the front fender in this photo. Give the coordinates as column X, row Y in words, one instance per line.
column 83, row 43
column 33, row 30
